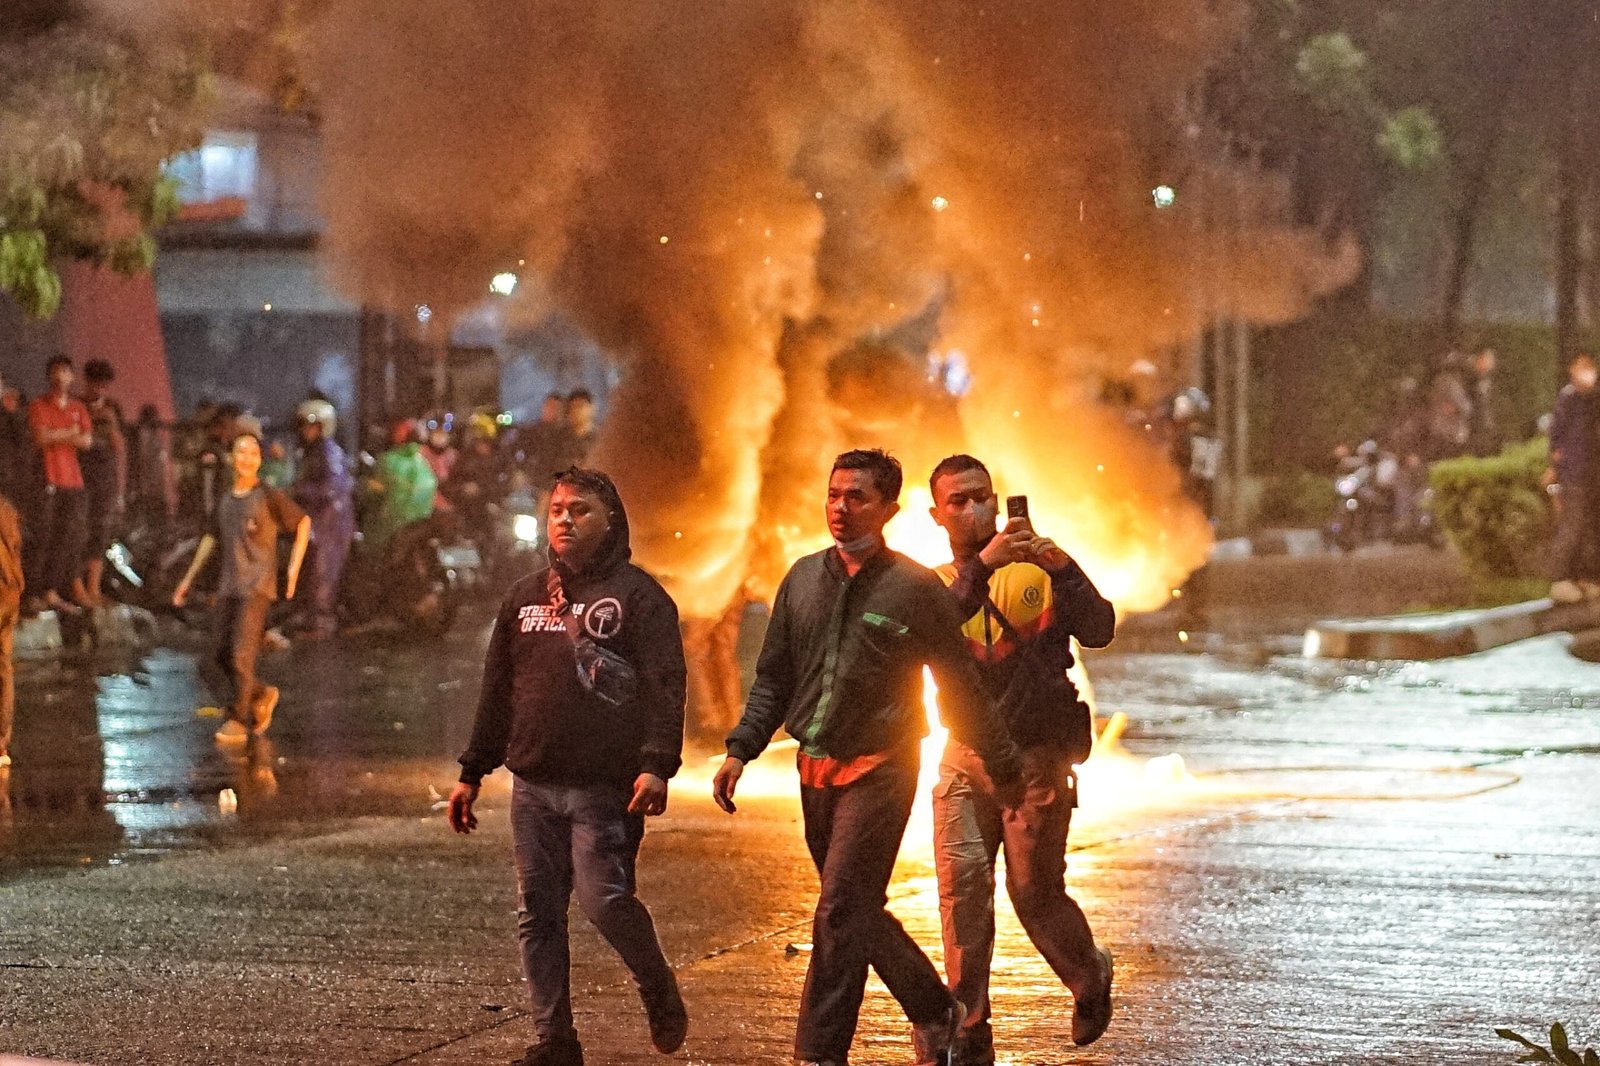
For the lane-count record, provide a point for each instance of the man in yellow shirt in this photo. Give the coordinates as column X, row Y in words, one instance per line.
column 1024, row 600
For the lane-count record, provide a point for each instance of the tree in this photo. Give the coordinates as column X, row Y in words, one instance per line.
column 1303, row 88
column 87, row 118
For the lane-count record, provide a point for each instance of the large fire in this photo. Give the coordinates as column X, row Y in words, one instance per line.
column 772, row 217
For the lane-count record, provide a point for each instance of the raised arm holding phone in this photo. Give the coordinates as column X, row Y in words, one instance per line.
column 1025, row 601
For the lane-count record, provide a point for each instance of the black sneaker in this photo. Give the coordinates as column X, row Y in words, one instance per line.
column 975, row 1047
column 1091, row 1013
column 934, row 1043
column 556, row 1051
column 669, row 1019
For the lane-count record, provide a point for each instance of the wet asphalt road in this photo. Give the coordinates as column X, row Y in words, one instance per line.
column 115, row 759
column 1369, row 865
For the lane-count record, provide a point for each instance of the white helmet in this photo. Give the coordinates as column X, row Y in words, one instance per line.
column 319, row 412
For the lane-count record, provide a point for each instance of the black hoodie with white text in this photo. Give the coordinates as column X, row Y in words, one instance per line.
column 535, row 715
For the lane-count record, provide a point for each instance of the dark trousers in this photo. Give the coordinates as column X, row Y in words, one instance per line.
column 567, row 839
column 241, row 625
column 854, row 833
column 970, row 826
column 59, row 532
column 1575, row 550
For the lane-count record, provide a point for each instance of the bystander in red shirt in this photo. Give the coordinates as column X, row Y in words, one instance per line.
column 61, row 469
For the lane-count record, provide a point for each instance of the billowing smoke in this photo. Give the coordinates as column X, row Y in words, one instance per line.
column 771, row 212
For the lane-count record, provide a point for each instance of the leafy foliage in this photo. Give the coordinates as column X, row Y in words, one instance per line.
column 1298, row 498
column 1412, row 138
column 1309, row 85
column 1559, row 1052
column 1330, row 379
column 86, row 120
column 1494, row 511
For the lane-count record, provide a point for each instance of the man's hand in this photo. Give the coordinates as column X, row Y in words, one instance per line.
column 1047, row 555
column 1012, row 793
column 290, row 585
column 649, row 796
column 726, row 783
column 462, row 820
column 1010, row 545
column 180, row 594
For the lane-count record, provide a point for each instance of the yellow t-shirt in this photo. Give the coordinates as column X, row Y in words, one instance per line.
column 1022, row 593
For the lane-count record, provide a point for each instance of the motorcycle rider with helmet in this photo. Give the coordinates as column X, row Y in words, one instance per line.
column 324, row 487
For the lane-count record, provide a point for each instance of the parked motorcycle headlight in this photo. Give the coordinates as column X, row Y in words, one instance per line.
column 121, row 561
column 526, row 528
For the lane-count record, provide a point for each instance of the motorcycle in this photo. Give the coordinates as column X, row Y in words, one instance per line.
column 144, row 565
column 502, row 542
column 412, row 586
column 1365, row 488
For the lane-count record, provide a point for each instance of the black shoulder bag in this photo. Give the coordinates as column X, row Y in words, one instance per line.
column 610, row 677
column 1038, row 684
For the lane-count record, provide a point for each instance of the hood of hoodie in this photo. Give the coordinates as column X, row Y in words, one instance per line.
column 616, row 549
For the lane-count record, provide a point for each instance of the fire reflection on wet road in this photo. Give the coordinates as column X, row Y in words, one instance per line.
column 115, row 758
column 1350, row 864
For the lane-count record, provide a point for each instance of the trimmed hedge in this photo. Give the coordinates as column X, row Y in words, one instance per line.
column 1329, row 380
column 1495, row 512
column 1299, row 498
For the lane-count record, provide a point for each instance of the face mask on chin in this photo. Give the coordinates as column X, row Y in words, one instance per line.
column 855, row 547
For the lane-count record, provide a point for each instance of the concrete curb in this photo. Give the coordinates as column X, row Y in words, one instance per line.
column 1448, row 634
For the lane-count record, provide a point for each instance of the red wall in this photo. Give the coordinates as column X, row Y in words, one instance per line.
column 107, row 316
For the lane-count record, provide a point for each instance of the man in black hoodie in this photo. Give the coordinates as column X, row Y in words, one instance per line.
column 841, row 669
column 583, row 694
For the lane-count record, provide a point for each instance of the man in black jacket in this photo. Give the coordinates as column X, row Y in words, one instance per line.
column 841, row 669
column 583, row 693
column 1025, row 601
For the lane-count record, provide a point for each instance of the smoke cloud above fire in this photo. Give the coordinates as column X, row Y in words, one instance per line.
column 772, row 212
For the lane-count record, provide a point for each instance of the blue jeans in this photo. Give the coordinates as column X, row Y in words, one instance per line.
column 578, row 838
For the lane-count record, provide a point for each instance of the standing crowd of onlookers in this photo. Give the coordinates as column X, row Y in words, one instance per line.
column 64, row 463
column 1455, row 415
column 76, row 475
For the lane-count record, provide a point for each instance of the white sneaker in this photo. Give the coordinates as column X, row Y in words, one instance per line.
column 1565, row 591
column 5, row 760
